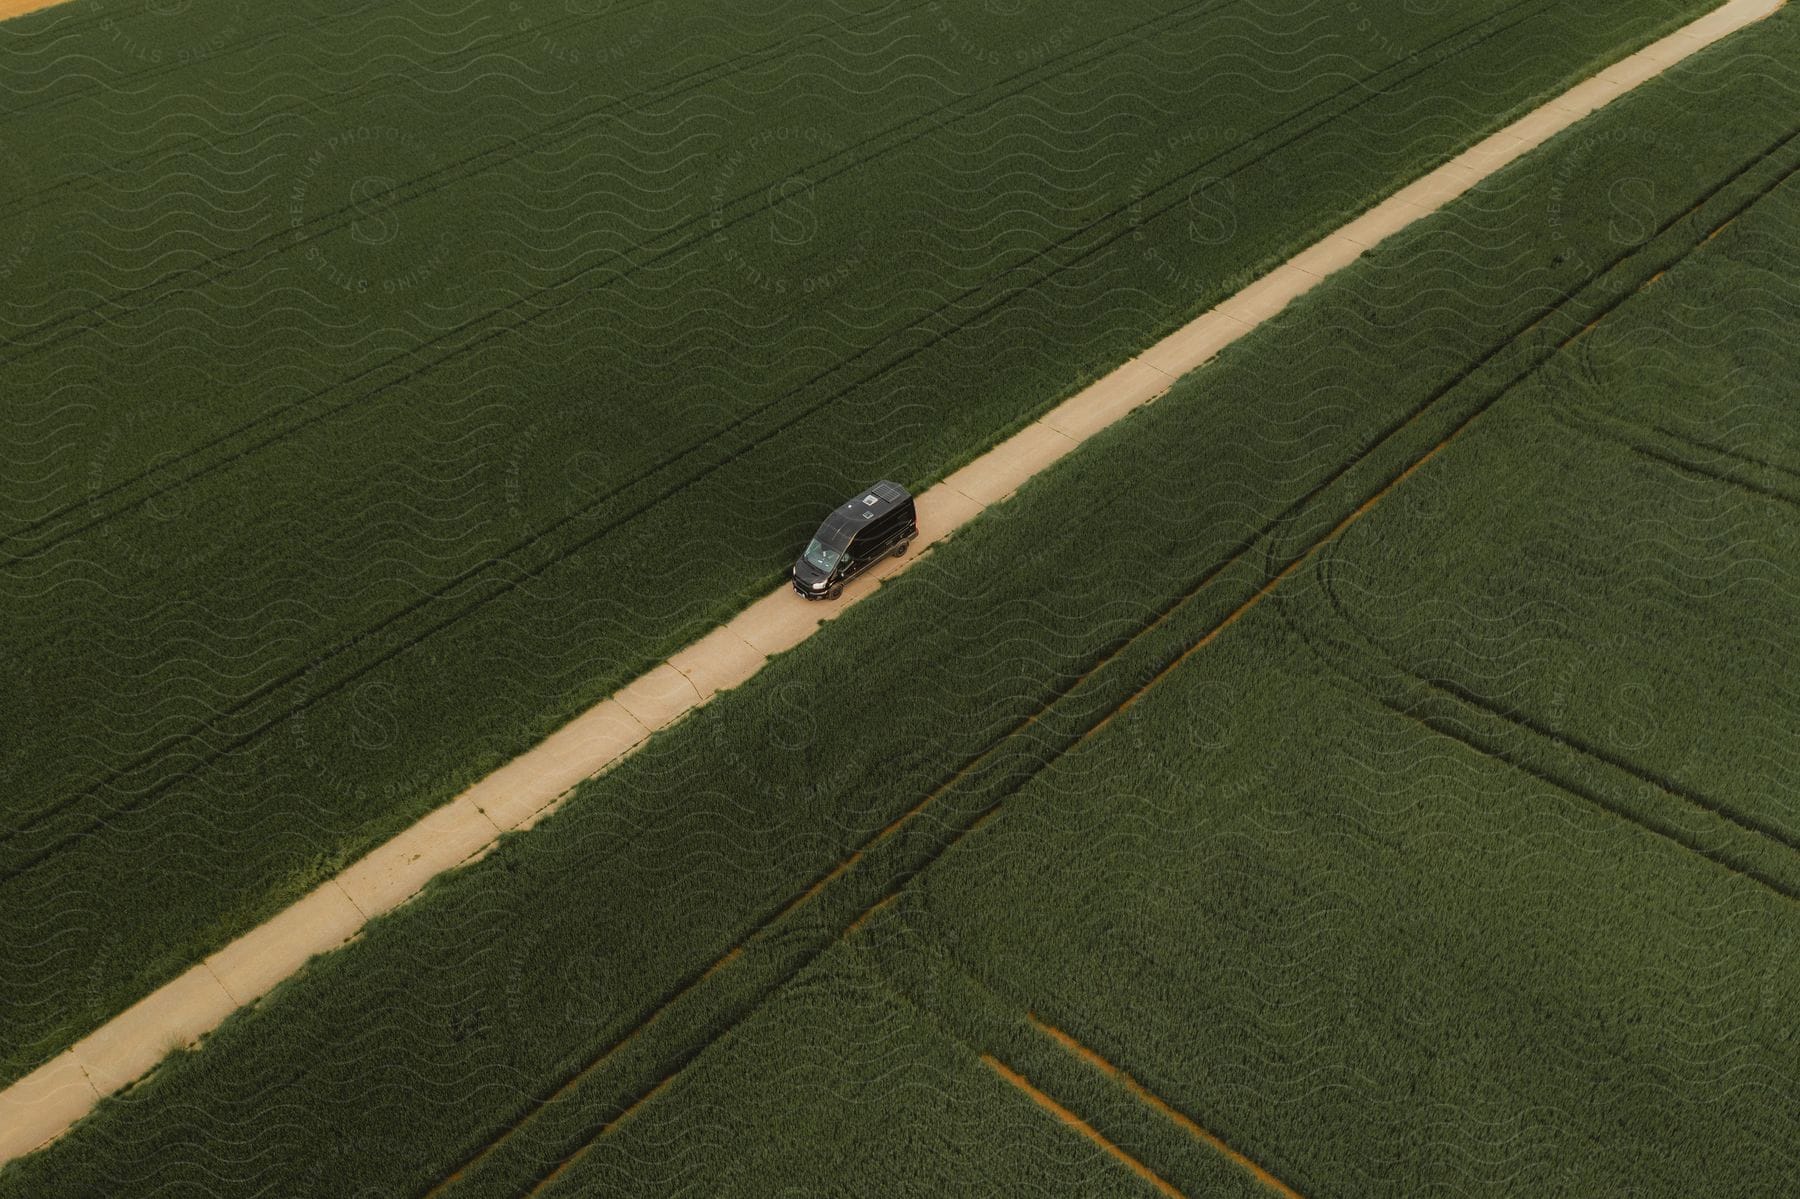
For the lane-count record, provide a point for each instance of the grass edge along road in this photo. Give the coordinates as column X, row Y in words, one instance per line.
column 49, row 1100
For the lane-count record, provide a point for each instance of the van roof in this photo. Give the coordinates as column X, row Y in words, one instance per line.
column 865, row 506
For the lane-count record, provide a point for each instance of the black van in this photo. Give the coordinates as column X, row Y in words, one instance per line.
column 860, row 533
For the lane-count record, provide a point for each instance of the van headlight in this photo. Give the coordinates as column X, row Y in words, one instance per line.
column 819, row 586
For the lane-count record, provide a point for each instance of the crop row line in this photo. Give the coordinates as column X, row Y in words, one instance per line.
column 308, row 25
column 857, row 856
column 1384, row 665
column 1724, row 452
column 1641, row 820
column 544, row 290
column 178, row 65
column 964, row 1025
column 1700, row 472
column 393, row 199
column 1075, row 1122
column 1162, row 1106
column 50, row 333
column 978, row 821
column 989, row 1025
column 405, row 191
column 1640, row 439
column 1743, row 820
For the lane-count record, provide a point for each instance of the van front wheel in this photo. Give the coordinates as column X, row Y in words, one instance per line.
column 901, row 548
column 835, row 592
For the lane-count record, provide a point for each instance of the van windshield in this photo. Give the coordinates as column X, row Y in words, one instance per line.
column 821, row 556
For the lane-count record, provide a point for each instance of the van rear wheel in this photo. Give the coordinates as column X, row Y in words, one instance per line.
column 901, row 548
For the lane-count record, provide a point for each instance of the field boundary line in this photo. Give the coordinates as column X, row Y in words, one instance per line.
column 1150, row 1098
column 45, row 1103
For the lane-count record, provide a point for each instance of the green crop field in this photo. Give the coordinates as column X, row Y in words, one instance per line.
column 383, row 385
column 1381, row 785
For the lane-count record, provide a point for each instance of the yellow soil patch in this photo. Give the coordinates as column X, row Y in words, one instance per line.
column 18, row 8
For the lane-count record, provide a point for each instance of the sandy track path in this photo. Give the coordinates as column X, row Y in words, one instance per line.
column 44, row 1104
column 18, row 8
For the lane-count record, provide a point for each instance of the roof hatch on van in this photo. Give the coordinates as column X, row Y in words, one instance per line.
column 880, row 522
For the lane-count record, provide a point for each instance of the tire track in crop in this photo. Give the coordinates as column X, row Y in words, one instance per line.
column 968, row 768
column 435, row 62
column 1161, row 1106
column 232, row 261
column 957, row 833
column 173, row 459
column 393, row 198
column 1723, row 478
column 1075, row 1122
column 1568, row 787
column 300, row 28
column 1736, row 454
column 945, row 306
column 1747, row 821
column 1383, row 666
column 968, row 1010
column 1196, row 10
column 296, row 30
column 673, row 1071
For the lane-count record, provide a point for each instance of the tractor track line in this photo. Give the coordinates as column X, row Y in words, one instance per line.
column 296, row 29
column 1162, row 1107
column 693, row 981
column 1037, row 768
column 1081, row 1126
column 1748, row 823
column 676, row 1068
column 1700, row 472
column 550, row 137
column 1734, row 454
column 1655, row 828
column 483, row 44
column 1286, row 571
column 657, row 256
column 49, row 333
column 1386, row 660
column 554, row 305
